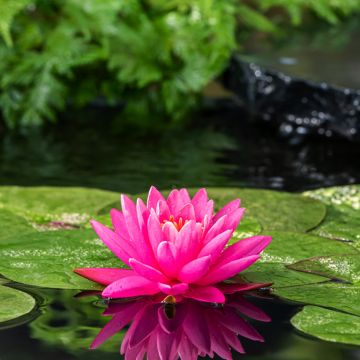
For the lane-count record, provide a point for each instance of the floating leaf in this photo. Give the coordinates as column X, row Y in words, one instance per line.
column 12, row 226
column 48, row 259
column 287, row 248
column 44, row 204
column 328, row 325
column 342, row 220
column 343, row 267
column 338, row 296
column 14, row 303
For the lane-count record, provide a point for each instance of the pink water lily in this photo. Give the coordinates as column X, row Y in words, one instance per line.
column 175, row 246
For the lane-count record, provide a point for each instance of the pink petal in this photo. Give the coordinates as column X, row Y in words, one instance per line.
column 248, row 309
column 165, row 345
column 218, row 342
column 188, row 243
column 206, row 294
column 162, row 211
column 187, row 212
column 170, row 232
column 115, row 325
column 156, row 236
column 216, row 245
column 235, row 323
column 233, row 340
column 166, row 259
column 199, row 202
column 144, row 251
column 130, row 286
column 233, row 219
column 144, row 324
column 215, row 229
column 196, row 328
column 142, row 215
column 175, row 202
column 195, row 270
column 246, row 247
column 234, row 288
column 227, row 209
column 103, row 276
column 113, row 241
column 147, row 271
column 154, row 197
column 119, row 224
column 228, row 270
column 176, row 289
column 185, row 196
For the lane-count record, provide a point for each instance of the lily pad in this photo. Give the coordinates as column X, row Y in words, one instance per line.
column 44, row 204
column 48, row 259
column 343, row 294
column 343, row 216
column 14, row 303
column 273, row 209
column 287, row 248
column 328, row 325
column 337, row 296
column 12, row 225
column 341, row 268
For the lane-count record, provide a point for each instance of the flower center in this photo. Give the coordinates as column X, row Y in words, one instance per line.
column 178, row 224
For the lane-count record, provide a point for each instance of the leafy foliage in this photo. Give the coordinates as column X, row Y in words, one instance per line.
column 156, row 55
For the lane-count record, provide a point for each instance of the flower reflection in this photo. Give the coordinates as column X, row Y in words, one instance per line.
column 185, row 330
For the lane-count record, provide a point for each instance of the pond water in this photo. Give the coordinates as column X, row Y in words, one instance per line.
column 223, row 148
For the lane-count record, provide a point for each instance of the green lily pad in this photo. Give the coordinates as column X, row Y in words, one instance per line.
column 328, row 325
column 48, row 259
column 14, row 303
column 343, row 294
column 343, row 216
column 342, row 267
column 338, row 296
column 12, row 225
column 273, row 209
column 43, row 204
column 287, row 248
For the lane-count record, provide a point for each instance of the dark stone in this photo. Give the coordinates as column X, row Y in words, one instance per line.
column 298, row 108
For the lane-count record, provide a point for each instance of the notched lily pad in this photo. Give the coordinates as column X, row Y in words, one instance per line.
column 343, row 216
column 287, row 248
column 14, row 303
column 328, row 325
column 48, row 259
column 344, row 268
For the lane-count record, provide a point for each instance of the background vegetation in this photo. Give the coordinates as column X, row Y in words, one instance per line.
column 154, row 55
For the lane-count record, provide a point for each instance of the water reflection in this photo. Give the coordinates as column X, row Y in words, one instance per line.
column 184, row 330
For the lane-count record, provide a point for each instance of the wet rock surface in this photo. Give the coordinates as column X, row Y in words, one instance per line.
column 298, row 108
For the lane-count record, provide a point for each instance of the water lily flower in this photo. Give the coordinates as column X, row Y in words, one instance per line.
column 175, row 246
column 184, row 330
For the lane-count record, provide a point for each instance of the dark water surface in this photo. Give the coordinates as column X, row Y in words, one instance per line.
column 220, row 148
